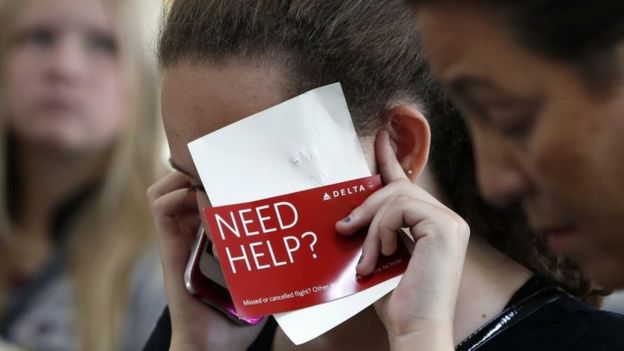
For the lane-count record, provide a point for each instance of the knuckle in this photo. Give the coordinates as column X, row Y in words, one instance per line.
column 152, row 193
column 456, row 225
column 158, row 206
column 400, row 184
column 461, row 225
column 389, row 245
column 402, row 200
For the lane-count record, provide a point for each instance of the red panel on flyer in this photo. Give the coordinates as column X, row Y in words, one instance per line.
column 283, row 253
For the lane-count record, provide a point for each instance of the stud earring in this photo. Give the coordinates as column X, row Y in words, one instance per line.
column 409, row 172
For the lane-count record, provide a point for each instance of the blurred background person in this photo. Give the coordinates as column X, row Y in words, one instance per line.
column 80, row 142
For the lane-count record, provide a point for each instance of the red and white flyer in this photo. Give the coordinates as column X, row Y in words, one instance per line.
column 278, row 181
column 283, row 253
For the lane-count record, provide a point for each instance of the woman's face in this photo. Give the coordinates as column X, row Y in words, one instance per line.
column 541, row 138
column 195, row 102
column 64, row 82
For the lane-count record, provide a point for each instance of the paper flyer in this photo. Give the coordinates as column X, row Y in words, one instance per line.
column 283, row 253
column 297, row 148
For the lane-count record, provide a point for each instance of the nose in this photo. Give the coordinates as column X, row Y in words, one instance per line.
column 67, row 61
column 502, row 178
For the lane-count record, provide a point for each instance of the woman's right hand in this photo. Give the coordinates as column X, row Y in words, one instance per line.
column 420, row 311
column 195, row 326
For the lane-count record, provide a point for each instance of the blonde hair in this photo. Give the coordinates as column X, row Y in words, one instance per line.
column 115, row 228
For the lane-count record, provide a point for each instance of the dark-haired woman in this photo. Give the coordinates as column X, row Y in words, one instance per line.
column 541, row 84
column 450, row 295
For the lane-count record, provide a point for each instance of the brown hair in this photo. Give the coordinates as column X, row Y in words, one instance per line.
column 372, row 48
column 582, row 33
column 362, row 44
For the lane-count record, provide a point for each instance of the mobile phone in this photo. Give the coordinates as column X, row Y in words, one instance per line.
column 204, row 279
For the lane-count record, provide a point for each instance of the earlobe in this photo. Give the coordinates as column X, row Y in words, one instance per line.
column 410, row 136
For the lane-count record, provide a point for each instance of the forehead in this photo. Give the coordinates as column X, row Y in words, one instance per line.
column 472, row 44
column 80, row 14
column 199, row 98
column 462, row 39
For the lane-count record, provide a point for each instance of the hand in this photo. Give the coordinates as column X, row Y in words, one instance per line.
column 420, row 310
column 194, row 325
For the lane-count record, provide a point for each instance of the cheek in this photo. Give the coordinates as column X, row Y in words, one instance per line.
column 22, row 84
column 561, row 158
column 487, row 146
column 109, row 103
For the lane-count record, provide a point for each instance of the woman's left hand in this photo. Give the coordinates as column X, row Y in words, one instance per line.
column 421, row 309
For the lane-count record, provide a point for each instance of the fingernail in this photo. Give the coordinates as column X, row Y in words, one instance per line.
column 347, row 219
column 361, row 259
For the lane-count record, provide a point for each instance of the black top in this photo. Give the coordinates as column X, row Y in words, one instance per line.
column 161, row 336
column 563, row 324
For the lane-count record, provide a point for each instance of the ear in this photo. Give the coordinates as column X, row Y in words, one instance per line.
column 410, row 136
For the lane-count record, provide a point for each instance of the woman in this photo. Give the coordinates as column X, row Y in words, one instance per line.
column 548, row 133
column 268, row 52
column 79, row 129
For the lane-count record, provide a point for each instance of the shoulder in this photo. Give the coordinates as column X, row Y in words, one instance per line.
column 566, row 324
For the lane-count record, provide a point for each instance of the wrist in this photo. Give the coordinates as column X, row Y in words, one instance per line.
column 177, row 345
column 428, row 337
column 222, row 342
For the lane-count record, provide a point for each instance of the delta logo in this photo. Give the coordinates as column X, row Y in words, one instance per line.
column 356, row 189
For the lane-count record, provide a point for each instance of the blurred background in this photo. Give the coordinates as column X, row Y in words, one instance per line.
column 81, row 142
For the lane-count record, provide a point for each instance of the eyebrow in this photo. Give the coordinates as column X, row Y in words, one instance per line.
column 181, row 169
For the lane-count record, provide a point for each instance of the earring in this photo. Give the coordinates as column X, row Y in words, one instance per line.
column 409, row 172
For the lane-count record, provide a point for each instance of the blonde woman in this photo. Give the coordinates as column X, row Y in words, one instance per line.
column 78, row 147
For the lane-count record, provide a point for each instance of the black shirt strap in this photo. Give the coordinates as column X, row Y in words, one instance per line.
column 537, row 296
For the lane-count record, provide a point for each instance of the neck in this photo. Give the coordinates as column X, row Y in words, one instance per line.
column 47, row 178
column 489, row 281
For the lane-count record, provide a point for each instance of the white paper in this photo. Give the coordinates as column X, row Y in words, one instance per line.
column 303, row 143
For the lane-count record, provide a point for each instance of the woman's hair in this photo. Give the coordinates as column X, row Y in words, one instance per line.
column 114, row 227
column 585, row 34
column 363, row 44
column 372, row 48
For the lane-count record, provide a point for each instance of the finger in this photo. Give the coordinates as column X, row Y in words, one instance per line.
column 445, row 248
column 387, row 164
column 362, row 215
column 372, row 244
column 175, row 242
column 422, row 217
column 391, row 224
column 179, row 238
column 172, row 181
column 175, row 203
